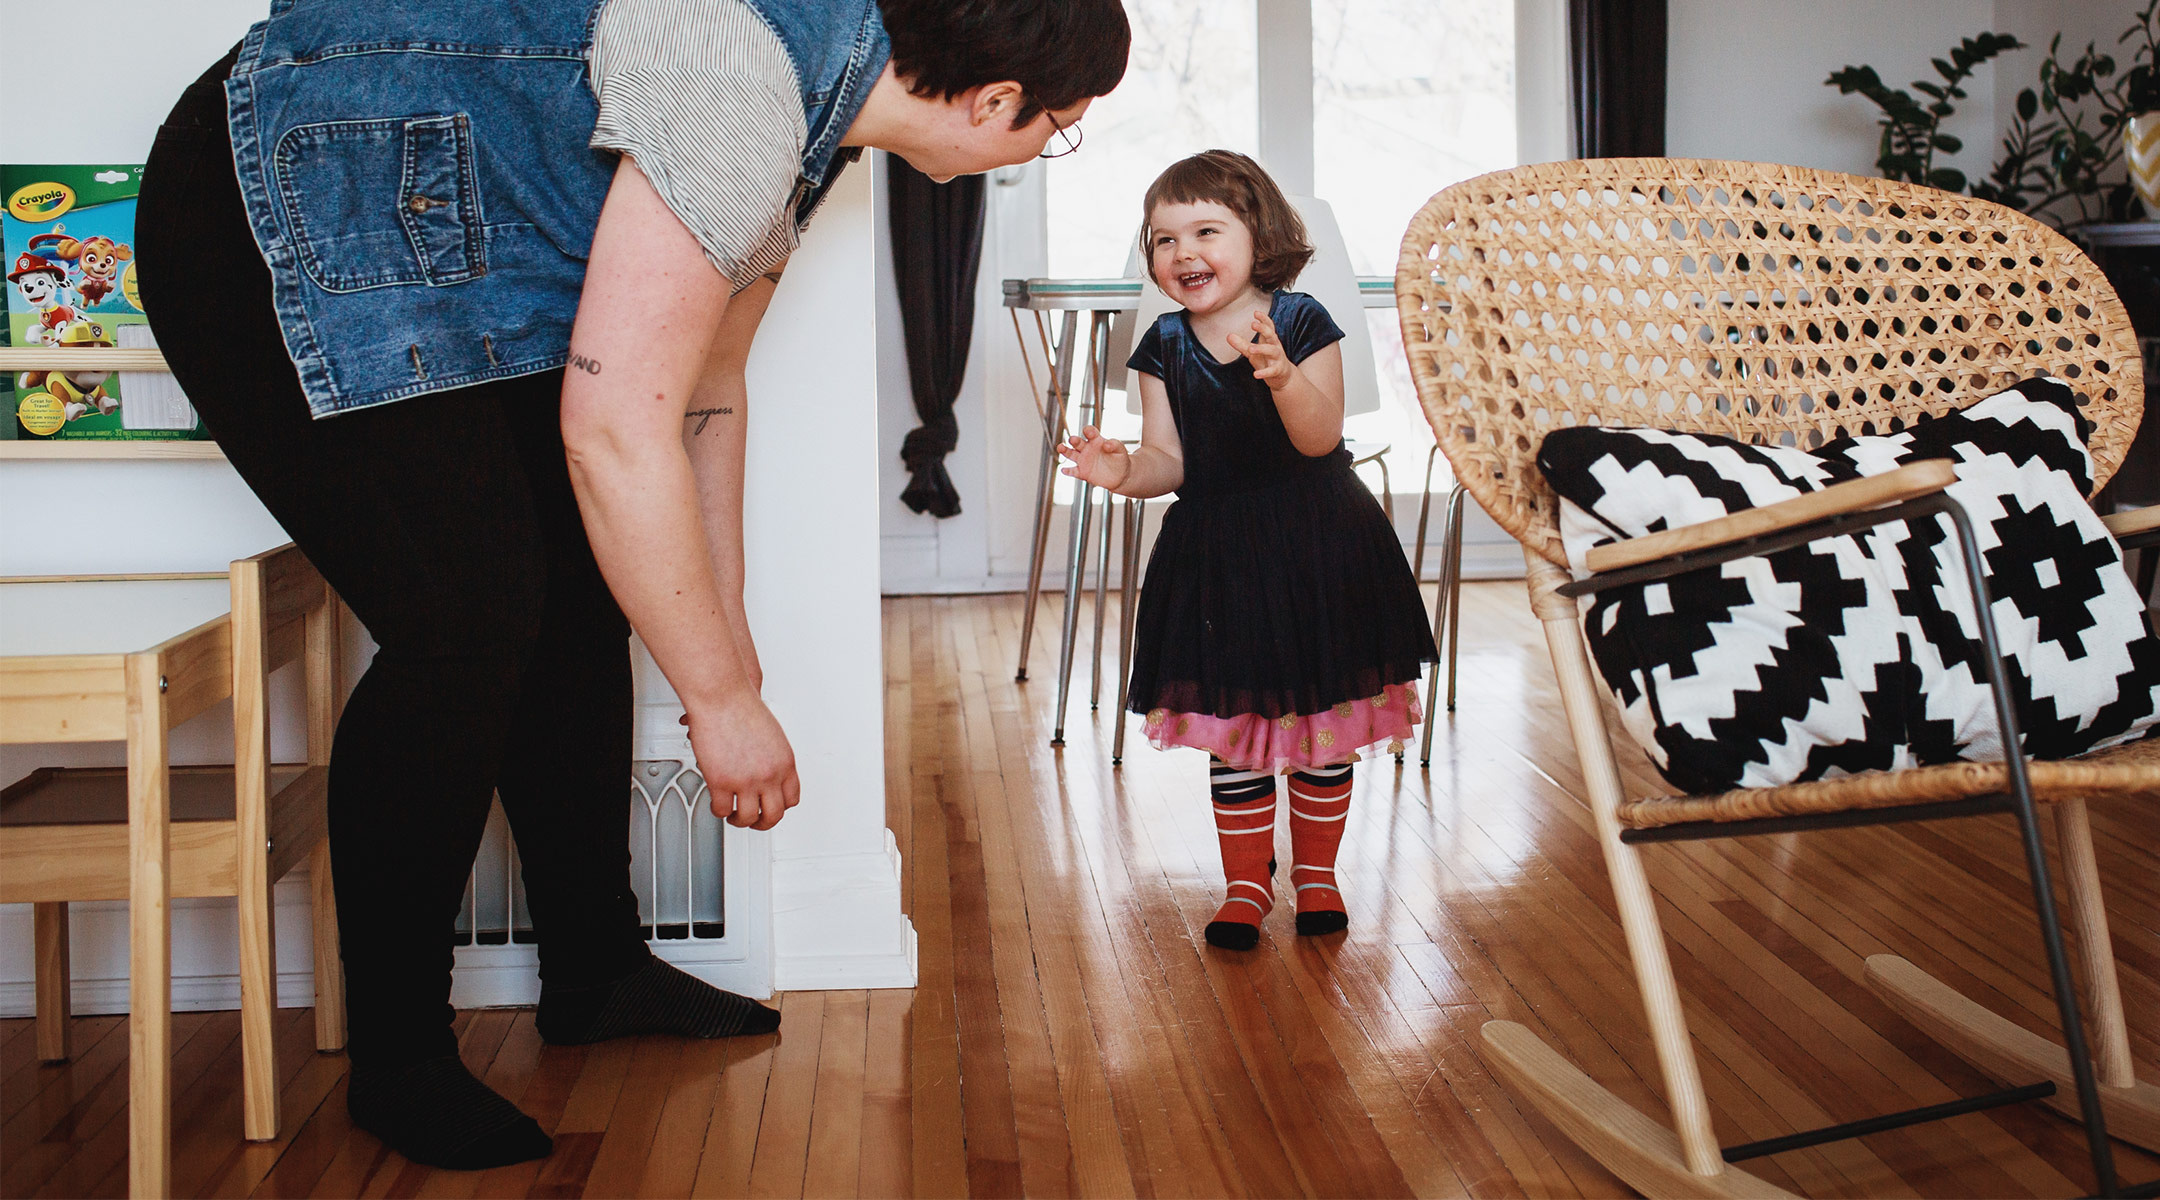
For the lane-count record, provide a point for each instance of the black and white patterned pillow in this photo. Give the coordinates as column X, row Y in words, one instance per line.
column 1861, row 652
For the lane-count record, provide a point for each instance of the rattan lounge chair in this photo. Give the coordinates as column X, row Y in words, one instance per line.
column 1776, row 305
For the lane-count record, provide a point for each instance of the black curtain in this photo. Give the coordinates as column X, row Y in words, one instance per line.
column 937, row 232
column 1616, row 70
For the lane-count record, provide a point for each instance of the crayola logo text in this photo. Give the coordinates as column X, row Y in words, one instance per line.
column 41, row 201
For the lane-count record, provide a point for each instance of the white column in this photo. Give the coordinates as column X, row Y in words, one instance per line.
column 1286, row 92
column 811, row 544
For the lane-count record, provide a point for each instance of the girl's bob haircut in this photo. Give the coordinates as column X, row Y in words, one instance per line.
column 1280, row 247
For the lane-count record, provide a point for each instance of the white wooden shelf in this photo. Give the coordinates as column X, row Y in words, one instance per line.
column 52, row 451
column 87, row 358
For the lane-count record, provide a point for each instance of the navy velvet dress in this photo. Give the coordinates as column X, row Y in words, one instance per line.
column 1277, row 586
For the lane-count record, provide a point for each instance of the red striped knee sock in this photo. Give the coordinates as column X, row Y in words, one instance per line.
column 1319, row 803
column 1245, row 825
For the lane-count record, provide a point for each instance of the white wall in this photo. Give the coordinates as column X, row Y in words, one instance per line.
column 1745, row 77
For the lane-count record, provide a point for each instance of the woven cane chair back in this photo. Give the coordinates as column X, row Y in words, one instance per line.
column 1774, row 304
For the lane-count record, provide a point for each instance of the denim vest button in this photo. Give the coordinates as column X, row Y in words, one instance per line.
column 420, row 204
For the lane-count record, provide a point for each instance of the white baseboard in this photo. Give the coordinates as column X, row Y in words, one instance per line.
column 190, row 993
column 847, row 905
column 832, row 972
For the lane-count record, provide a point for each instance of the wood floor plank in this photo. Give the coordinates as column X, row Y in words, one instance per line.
column 937, row 1143
column 887, row 1165
column 731, row 1134
column 670, row 1166
column 626, row 1138
column 783, row 1126
column 836, row 1108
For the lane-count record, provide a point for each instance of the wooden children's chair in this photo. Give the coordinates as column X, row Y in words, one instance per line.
column 151, row 831
column 1777, row 305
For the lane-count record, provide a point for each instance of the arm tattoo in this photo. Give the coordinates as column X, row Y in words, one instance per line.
column 705, row 416
column 591, row 366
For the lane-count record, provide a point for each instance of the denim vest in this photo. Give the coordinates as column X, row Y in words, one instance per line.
column 419, row 182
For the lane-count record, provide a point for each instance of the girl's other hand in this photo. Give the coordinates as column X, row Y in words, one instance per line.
column 1265, row 352
column 1102, row 461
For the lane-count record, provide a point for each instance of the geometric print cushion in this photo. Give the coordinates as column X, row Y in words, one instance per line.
column 1861, row 652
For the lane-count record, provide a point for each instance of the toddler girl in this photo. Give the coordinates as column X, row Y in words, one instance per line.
column 1280, row 629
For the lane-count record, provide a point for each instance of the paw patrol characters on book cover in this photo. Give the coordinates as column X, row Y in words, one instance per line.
column 68, row 233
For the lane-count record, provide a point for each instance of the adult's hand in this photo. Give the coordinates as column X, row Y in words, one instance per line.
column 746, row 761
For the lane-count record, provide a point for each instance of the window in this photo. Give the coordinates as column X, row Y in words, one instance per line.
column 1409, row 96
column 1188, row 87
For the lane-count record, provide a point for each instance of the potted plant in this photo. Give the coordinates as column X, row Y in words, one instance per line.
column 2059, row 156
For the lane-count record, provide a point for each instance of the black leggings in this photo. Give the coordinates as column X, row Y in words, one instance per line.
column 448, row 525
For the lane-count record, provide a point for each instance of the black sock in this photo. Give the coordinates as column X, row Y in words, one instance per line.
column 655, row 998
column 435, row 1113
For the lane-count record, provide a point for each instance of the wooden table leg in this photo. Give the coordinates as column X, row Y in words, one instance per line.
column 149, row 932
column 50, row 922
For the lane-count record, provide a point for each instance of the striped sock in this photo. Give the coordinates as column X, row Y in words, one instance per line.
column 1319, row 802
column 1245, row 825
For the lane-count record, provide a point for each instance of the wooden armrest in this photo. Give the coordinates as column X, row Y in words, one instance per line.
column 1875, row 491
column 2137, row 520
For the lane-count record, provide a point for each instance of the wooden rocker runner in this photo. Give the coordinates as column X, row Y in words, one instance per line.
column 1519, row 293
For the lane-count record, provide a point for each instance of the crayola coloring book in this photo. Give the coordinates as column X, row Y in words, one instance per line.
column 67, row 235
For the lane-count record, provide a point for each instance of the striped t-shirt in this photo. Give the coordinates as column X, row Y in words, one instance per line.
column 702, row 95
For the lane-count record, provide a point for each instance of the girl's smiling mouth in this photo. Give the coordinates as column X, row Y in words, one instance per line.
column 1195, row 279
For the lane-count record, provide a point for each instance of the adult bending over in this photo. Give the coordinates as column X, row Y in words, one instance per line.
column 444, row 280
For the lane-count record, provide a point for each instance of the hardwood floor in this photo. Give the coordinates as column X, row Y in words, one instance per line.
column 1072, row 1035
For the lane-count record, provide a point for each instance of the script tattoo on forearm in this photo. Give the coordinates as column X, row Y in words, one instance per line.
column 591, row 366
column 705, row 416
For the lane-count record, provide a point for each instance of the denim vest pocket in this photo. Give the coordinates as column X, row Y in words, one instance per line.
column 378, row 203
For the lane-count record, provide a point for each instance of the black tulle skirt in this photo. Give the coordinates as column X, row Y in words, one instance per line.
column 1285, row 600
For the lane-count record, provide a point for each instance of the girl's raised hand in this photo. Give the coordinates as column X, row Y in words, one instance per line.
column 1102, row 461
column 1265, row 351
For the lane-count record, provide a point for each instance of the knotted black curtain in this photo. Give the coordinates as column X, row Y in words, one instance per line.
column 937, row 232
column 1616, row 68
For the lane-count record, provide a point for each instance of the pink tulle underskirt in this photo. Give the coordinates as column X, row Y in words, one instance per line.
column 1251, row 742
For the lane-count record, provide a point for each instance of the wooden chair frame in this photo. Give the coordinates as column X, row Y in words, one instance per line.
column 1777, row 305
column 281, row 611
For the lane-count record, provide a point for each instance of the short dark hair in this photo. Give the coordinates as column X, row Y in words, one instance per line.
column 1060, row 52
column 1280, row 247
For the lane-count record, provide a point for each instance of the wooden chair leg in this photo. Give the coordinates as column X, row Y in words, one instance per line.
column 325, row 695
column 49, row 921
column 329, row 967
column 251, row 825
column 1687, row 1161
column 149, row 932
column 2088, row 915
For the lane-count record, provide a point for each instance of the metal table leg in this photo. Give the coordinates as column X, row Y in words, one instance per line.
column 1135, row 520
column 1046, row 481
column 1446, row 616
column 1102, row 588
column 1082, row 520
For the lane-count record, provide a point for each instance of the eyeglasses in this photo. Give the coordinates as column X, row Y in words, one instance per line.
column 1070, row 135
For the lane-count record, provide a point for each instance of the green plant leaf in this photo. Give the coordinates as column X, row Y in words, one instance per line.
column 2028, row 105
column 1949, row 179
column 1948, row 144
